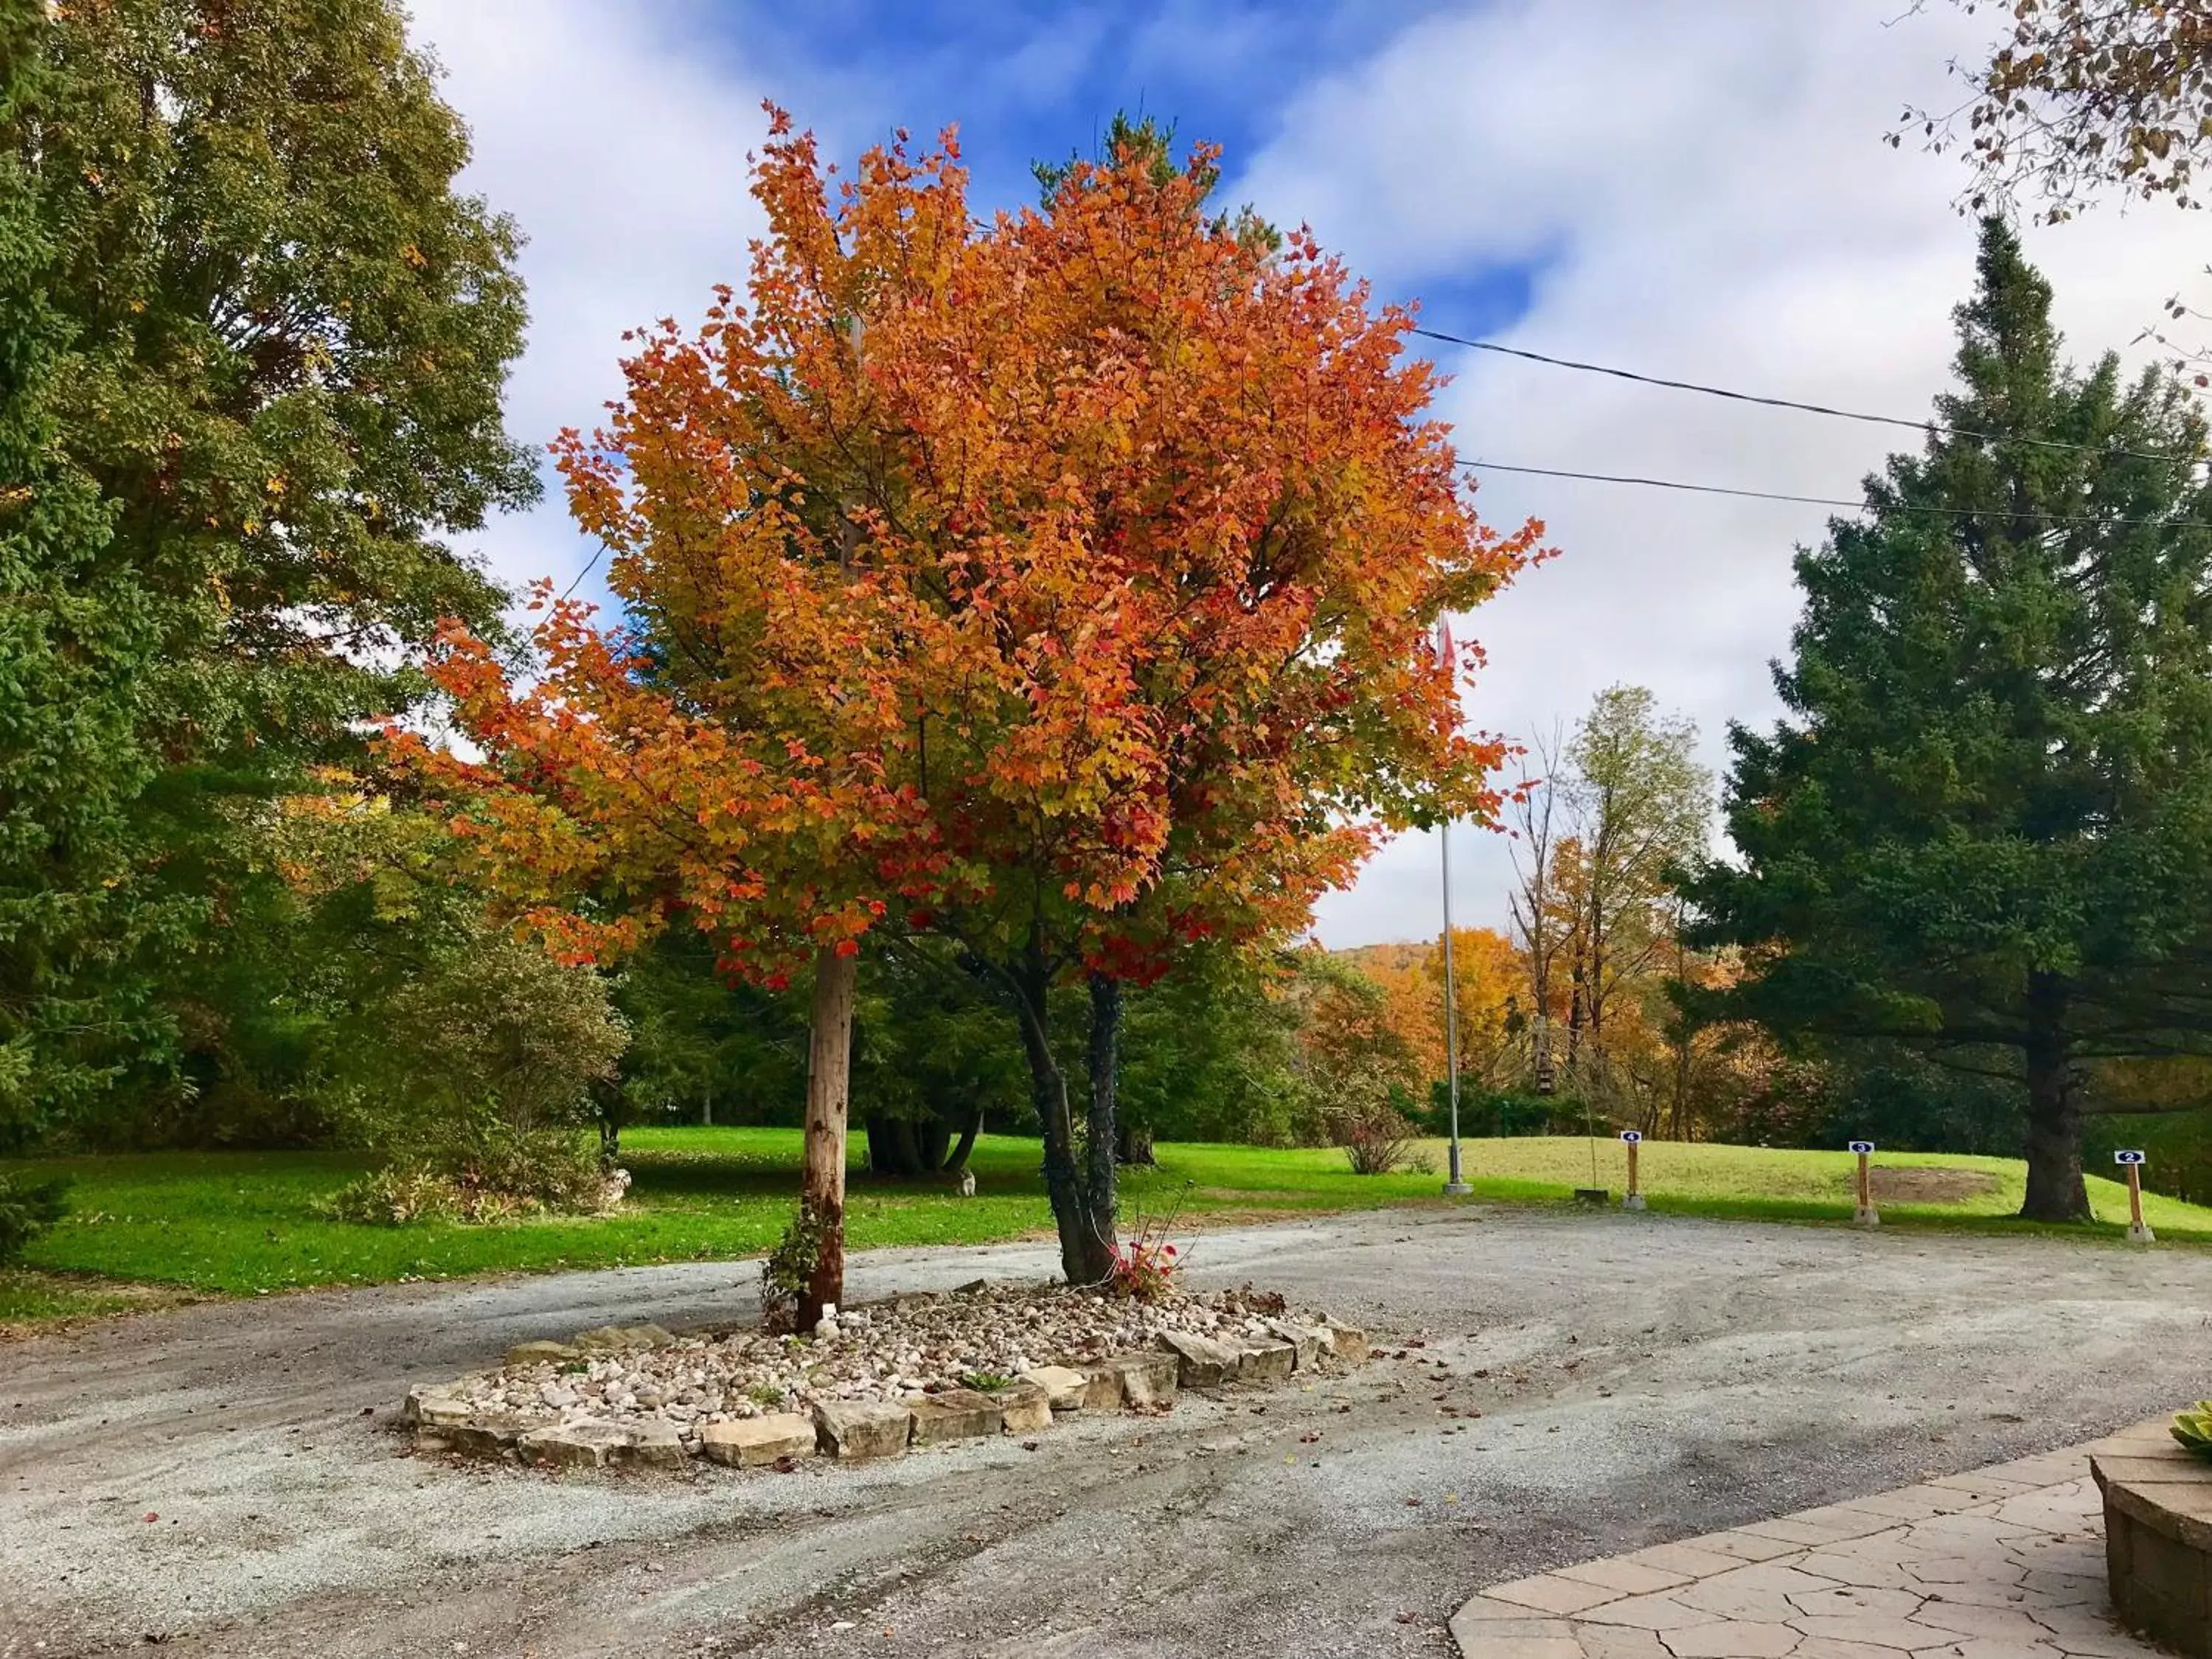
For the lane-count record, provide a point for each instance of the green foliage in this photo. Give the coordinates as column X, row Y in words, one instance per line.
column 252, row 346
column 1210, row 1053
column 480, row 1173
column 292, row 338
column 1153, row 143
column 785, row 1269
column 2193, row 1428
column 27, row 1208
column 707, row 1047
column 1985, row 827
column 78, row 629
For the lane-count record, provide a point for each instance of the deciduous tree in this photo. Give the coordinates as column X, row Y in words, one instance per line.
column 263, row 395
column 1058, row 585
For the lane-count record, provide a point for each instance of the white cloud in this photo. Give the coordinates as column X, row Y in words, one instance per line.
column 1706, row 190
column 1703, row 186
column 618, row 143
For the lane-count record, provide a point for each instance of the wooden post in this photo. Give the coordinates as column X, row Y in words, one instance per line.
column 829, row 1072
column 2138, row 1233
column 1867, row 1216
column 1633, row 1140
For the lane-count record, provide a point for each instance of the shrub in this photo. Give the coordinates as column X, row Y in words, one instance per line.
column 1380, row 1140
column 474, row 1081
column 28, row 1209
column 504, row 1176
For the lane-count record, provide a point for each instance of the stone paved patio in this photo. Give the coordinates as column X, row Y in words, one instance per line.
column 2002, row 1563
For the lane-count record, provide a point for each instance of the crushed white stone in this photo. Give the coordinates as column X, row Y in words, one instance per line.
column 918, row 1343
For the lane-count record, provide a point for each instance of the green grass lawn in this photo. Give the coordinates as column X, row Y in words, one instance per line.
column 240, row 1222
column 1761, row 1183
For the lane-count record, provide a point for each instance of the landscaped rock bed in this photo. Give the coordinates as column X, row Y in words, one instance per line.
column 915, row 1370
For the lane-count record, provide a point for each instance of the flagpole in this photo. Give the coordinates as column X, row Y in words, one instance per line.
column 1456, row 1187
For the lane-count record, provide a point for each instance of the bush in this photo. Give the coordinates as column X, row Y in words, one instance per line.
column 551, row 1171
column 28, row 1209
column 474, row 1081
column 1380, row 1140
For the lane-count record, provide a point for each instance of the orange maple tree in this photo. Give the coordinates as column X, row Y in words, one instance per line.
column 1061, row 585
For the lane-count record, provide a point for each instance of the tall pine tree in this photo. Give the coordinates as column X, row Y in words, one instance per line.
column 1985, row 824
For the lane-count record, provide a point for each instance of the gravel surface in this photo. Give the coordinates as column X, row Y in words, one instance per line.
column 909, row 1346
column 229, row 1479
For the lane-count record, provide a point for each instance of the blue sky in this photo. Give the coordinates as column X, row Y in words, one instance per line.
column 1031, row 82
column 1693, row 188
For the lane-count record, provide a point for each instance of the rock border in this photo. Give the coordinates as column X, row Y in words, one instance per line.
column 851, row 1430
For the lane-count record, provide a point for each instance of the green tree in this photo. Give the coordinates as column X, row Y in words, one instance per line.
column 269, row 397
column 1985, row 822
column 1641, row 803
column 77, row 631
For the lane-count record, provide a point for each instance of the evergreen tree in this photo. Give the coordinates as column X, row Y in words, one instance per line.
column 1985, row 822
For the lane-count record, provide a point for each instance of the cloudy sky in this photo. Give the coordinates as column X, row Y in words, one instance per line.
column 1692, row 188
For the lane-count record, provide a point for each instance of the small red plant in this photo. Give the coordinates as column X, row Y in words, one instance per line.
column 1145, row 1267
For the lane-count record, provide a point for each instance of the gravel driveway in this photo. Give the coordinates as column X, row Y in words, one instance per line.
column 227, row 1479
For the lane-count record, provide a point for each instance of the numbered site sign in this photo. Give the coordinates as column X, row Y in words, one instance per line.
column 1862, row 1147
column 2127, row 1157
column 1632, row 1136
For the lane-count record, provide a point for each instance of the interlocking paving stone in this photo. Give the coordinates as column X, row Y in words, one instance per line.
column 2003, row 1563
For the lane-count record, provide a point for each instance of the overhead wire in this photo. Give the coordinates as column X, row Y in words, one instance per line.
column 1840, row 501
column 1733, row 396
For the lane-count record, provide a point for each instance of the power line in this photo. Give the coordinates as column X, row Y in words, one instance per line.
column 1833, row 500
column 1792, row 402
column 589, row 565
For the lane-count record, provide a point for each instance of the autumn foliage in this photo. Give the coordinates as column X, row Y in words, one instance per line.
column 1060, row 583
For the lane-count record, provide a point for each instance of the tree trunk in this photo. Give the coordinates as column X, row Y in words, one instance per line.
column 891, row 1150
column 1105, row 1058
column 909, row 1147
column 1136, row 1144
column 2055, row 1188
column 606, row 1109
column 1084, row 1258
column 959, row 1160
column 829, row 1072
column 933, row 1138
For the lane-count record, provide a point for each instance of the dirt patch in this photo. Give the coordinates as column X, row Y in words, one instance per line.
column 1926, row 1183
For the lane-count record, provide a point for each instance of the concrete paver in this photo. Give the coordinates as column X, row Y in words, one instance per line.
column 2002, row 1563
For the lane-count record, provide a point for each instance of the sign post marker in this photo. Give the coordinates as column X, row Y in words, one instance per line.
column 2138, row 1233
column 1632, row 1139
column 1867, row 1215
